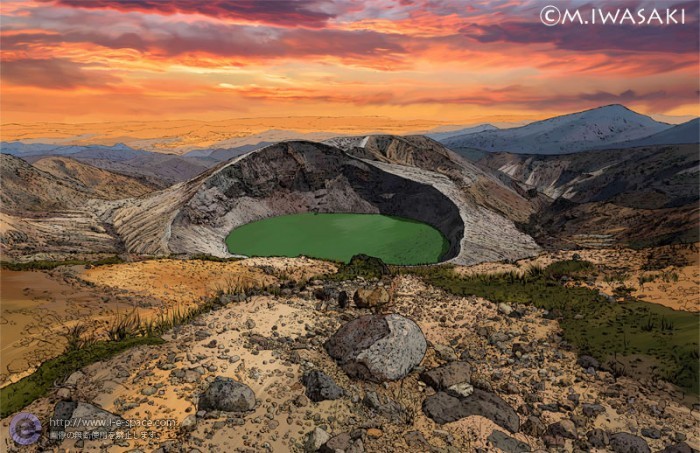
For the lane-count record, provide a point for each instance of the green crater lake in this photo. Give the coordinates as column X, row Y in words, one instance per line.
column 340, row 236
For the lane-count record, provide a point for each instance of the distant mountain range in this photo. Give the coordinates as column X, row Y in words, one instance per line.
column 156, row 169
column 603, row 127
column 442, row 136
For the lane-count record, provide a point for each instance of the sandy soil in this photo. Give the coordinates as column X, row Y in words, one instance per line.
column 38, row 307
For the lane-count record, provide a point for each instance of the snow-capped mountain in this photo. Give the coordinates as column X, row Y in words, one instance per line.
column 564, row 134
column 442, row 136
column 688, row 132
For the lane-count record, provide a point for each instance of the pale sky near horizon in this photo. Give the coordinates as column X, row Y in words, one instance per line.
column 453, row 61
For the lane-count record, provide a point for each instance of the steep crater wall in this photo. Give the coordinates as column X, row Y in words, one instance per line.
column 295, row 177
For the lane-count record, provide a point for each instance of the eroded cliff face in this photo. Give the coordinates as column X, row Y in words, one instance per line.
column 295, row 177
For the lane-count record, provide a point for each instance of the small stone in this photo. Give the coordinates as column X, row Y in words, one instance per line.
column 563, row 428
column 320, row 386
column 301, row 401
column 592, row 410
column 505, row 309
column 315, row 440
column 460, row 390
column 189, row 423
column 225, row 394
column 64, row 394
column 374, row 433
column 149, row 390
column 651, row 433
column 73, row 379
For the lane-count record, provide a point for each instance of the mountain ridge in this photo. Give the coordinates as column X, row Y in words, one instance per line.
column 601, row 126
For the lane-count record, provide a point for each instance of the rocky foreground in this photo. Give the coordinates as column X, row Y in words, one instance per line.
column 377, row 366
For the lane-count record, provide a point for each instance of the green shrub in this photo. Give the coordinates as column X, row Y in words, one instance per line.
column 364, row 266
column 18, row 395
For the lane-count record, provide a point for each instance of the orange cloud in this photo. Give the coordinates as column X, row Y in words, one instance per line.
column 82, row 59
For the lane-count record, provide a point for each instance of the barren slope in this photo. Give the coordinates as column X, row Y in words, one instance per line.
column 101, row 183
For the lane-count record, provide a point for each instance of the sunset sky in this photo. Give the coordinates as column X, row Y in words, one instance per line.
column 461, row 61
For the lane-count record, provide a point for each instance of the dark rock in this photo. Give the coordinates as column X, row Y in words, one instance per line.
column 378, row 348
column 651, row 433
column 579, row 420
column 473, row 354
column 628, row 443
column 592, row 410
column 586, row 361
column 550, row 407
column 343, row 299
column 598, row 438
column 482, row 383
column 444, row 408
column 323, row 294
column 445, row 376
column 679, row 437
column 301, row 401
column 225, row 394
column 202, row 334
column 507, row 444
column 521, row 348
column 574, row 398
column 563, row 428
column 320, row 386
column 510, row 388
column 533, row 427
column 261, row 343
column 62, row 413
column 681, row 447
column 557, row 442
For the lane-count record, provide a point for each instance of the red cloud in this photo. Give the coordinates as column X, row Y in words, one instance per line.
column 305, row 13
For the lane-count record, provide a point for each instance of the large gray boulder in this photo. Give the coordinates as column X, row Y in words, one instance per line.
column 444, row 408
column 628, row 443
column 378, row 348
column 72, row 416
column 225, row 394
